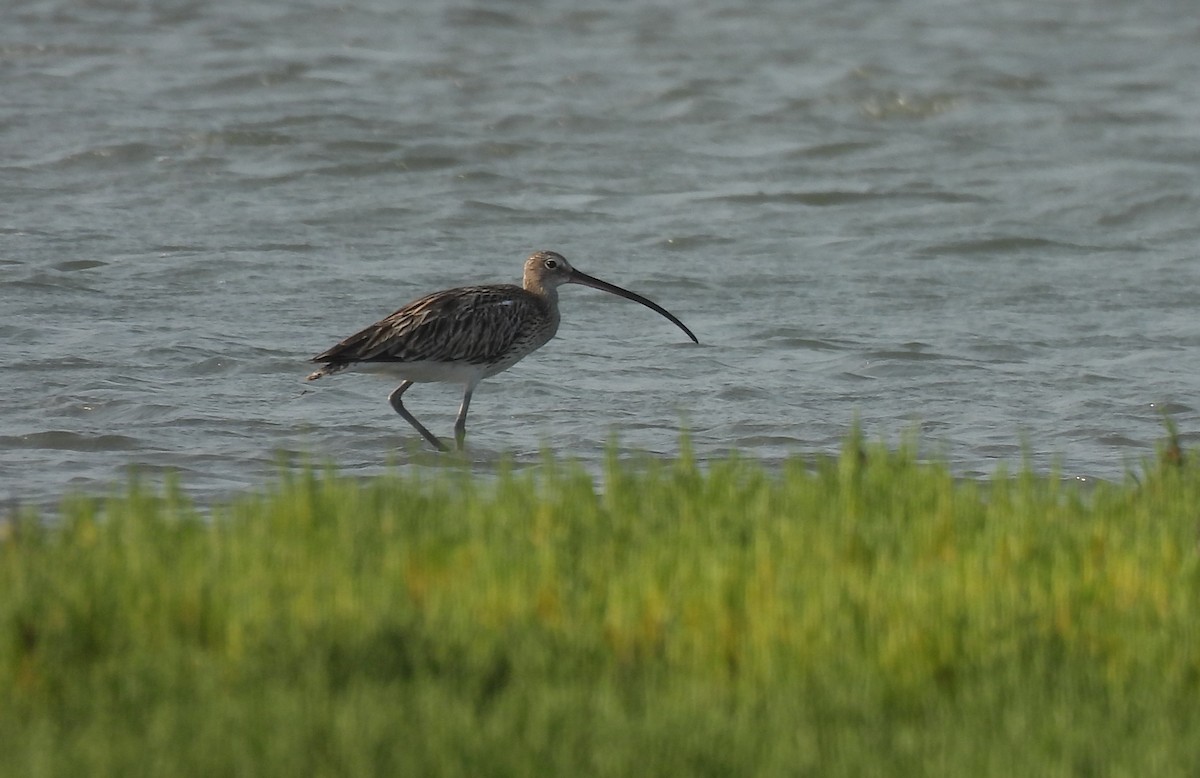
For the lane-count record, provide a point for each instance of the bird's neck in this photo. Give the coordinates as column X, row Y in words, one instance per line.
column 548, row 293
column 547, row 299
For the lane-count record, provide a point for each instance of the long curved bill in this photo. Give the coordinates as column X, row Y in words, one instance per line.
column 583, row 279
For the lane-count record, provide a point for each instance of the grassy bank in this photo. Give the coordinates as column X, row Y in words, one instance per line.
column 868, row 615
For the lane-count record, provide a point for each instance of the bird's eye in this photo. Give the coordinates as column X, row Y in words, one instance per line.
column 551, row 264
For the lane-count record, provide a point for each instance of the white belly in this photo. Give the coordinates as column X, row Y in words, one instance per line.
column 429, row 372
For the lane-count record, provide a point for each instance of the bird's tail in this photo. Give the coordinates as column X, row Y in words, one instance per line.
column 330, row 369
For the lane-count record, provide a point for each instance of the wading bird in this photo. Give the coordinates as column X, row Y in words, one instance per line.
column 465, row 335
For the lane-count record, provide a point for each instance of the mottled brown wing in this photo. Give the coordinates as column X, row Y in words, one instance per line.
column 473, row 325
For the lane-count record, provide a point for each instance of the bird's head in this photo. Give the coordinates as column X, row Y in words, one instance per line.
column 545, row 271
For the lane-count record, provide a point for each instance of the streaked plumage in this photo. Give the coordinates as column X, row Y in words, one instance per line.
column 467, row 334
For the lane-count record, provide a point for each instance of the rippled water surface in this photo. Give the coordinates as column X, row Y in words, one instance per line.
column 978, row 220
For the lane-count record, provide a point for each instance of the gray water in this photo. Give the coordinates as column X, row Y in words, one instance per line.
column 975, row 220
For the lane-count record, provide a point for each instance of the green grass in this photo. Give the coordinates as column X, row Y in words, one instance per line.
column 862, row 615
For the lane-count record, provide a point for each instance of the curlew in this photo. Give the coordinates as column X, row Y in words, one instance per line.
column 465, row 335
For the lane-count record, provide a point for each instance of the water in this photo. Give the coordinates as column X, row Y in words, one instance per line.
column 975, row 220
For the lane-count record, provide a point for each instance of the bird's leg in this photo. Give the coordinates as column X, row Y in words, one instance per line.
column 460, row 424
column 394, row 399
